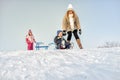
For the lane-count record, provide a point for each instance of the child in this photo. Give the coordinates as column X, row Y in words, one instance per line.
column 60, row 42
column 30, row 40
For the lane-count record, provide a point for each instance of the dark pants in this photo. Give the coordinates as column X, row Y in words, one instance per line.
column 70, row 35
column 67, row 46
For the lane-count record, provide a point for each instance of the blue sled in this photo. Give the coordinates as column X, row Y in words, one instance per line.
column 39, row 45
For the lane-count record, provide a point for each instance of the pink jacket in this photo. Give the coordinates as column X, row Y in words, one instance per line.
column 30, row 40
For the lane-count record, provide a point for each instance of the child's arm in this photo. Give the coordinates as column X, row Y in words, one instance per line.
column 28, row 41
column 57, row 40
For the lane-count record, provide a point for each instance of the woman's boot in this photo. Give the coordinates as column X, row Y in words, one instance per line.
column 79, row 43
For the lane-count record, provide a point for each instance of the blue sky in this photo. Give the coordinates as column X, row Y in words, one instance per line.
column 100, row 21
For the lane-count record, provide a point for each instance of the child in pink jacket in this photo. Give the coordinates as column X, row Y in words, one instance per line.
column 30, row 40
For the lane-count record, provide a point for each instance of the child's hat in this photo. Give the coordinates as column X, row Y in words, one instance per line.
column 58, row 31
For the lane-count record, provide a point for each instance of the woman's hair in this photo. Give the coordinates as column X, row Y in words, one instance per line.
column 72, row 12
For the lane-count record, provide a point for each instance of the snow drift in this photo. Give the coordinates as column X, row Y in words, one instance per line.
column 86, row 64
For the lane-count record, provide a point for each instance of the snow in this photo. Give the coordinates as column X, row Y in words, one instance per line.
column 85, row 64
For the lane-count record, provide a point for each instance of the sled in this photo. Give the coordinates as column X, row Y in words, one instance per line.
column 41, row 45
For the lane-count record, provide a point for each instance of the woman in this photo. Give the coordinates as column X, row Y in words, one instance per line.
column 71, row 25
column 30, row 40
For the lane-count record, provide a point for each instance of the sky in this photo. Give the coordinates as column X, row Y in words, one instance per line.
column 99, row 20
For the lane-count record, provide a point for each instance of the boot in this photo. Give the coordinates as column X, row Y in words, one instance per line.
column 79, row 43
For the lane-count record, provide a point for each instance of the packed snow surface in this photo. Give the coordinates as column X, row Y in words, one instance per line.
column 85, row 64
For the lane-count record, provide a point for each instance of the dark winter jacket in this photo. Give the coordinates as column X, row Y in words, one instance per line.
column 59, row 43
column 58, row 40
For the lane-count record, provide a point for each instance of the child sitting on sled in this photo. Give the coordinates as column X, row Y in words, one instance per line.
column 60, row 42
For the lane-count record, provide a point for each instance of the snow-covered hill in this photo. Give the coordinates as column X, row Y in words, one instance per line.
column 86, row 64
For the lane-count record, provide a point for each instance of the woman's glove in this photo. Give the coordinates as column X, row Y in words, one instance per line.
column 64, row 32
column 80, row 32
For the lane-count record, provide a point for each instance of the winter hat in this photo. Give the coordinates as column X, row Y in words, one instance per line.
column 70, row 7
column 58, row 31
